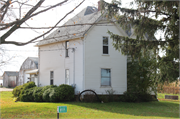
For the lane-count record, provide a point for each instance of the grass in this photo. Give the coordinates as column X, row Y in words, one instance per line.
column 162, row 109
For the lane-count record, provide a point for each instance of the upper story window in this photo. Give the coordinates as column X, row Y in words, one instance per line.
column 105, row 45
column 51, row 77
column 66, row 48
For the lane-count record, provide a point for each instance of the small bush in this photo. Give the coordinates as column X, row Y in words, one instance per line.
column 54, row 95
column 135, row 97
column 37, row 94
column 90, row 97
column 66, row 92
column 17, row 90
column 25, row 92
column 47, row 87
column 27, row 95
column 110, row 94
column 104, row 98
column 145, row 97
column 28, row 85
column 46, row 93
column 129, row 97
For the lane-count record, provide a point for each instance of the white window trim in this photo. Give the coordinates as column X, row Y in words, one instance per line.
column 66, row 47
column 65, row 77
column 107, row 45
column 110, row 79
column 51, row 78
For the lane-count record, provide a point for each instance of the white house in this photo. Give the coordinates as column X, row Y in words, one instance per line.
column 1, row 80
column 28, row 71
column 10, row 78
column 83, row 55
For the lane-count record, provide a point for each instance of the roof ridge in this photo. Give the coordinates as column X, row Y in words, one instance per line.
column 73, row 31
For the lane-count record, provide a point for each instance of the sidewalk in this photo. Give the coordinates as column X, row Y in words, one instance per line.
column 6, row 89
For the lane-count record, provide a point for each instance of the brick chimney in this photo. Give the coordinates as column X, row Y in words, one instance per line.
column 99, row 5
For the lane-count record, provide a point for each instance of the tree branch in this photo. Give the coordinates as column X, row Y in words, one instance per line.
column 28, row 17
column 17, row 25
column 21, row 44
column 2, row 17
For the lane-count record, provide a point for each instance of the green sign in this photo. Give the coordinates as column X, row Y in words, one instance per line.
column 61, row 109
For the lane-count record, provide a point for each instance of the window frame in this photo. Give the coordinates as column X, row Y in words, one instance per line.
column 109, row 78
column 66, row 77
column 52, row 78
column 66, row 49
column 105, row 45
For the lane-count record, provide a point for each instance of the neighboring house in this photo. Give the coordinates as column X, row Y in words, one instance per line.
column 28, row 71
column 1, row 80
column 83, row 55
column 10, row 78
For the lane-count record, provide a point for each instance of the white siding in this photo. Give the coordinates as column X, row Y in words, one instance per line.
column 95, row 60
column 12, row 81
column 56, row 61
column 5, row 80
column 27, row 65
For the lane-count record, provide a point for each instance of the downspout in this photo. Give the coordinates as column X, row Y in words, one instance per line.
column 73, row 50
column 83, row 80
column 84, row 64
column 38, row 67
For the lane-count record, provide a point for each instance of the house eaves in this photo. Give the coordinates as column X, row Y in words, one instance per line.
column 11, row 73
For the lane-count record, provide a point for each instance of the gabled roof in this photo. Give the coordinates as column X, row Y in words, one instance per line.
column 35, row 60
column 30, row 63
column 11, row 73
column 88, row 15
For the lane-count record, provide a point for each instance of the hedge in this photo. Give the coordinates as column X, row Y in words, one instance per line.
column 52, row 93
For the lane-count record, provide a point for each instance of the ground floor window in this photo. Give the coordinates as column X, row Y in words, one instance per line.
column 51, row 77
column 67, row 76
column 105, row 77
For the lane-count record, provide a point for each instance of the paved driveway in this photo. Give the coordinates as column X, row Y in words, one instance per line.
column 6, row 89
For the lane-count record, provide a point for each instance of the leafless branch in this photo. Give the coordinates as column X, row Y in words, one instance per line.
column 28, row 15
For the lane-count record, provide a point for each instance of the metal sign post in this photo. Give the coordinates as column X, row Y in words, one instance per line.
column 61, row 109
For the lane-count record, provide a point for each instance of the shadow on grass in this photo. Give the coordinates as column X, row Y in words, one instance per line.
column 153, row 109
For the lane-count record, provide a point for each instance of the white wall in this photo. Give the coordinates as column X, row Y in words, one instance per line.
column 56, row 61
column 27, row 65
column 26, row 77
column 1, row 82
column 95, row 60
column 12, row 80
column 5, row 80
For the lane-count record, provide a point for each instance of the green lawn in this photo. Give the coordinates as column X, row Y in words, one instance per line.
column 162, row 109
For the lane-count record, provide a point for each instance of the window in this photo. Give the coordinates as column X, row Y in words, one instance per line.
column 105, row 77
column 67, row 76
column 66, row 47
column 51, row 77
column 105, row 45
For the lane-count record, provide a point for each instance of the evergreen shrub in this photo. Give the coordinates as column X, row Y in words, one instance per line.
column 54, row 95
column 27, row 95
column 45, row 95
column 17, row 90
column 37, row 94
column 65, row 92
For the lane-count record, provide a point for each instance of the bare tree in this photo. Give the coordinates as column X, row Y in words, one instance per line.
column 5, row 58
column 9, row 24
